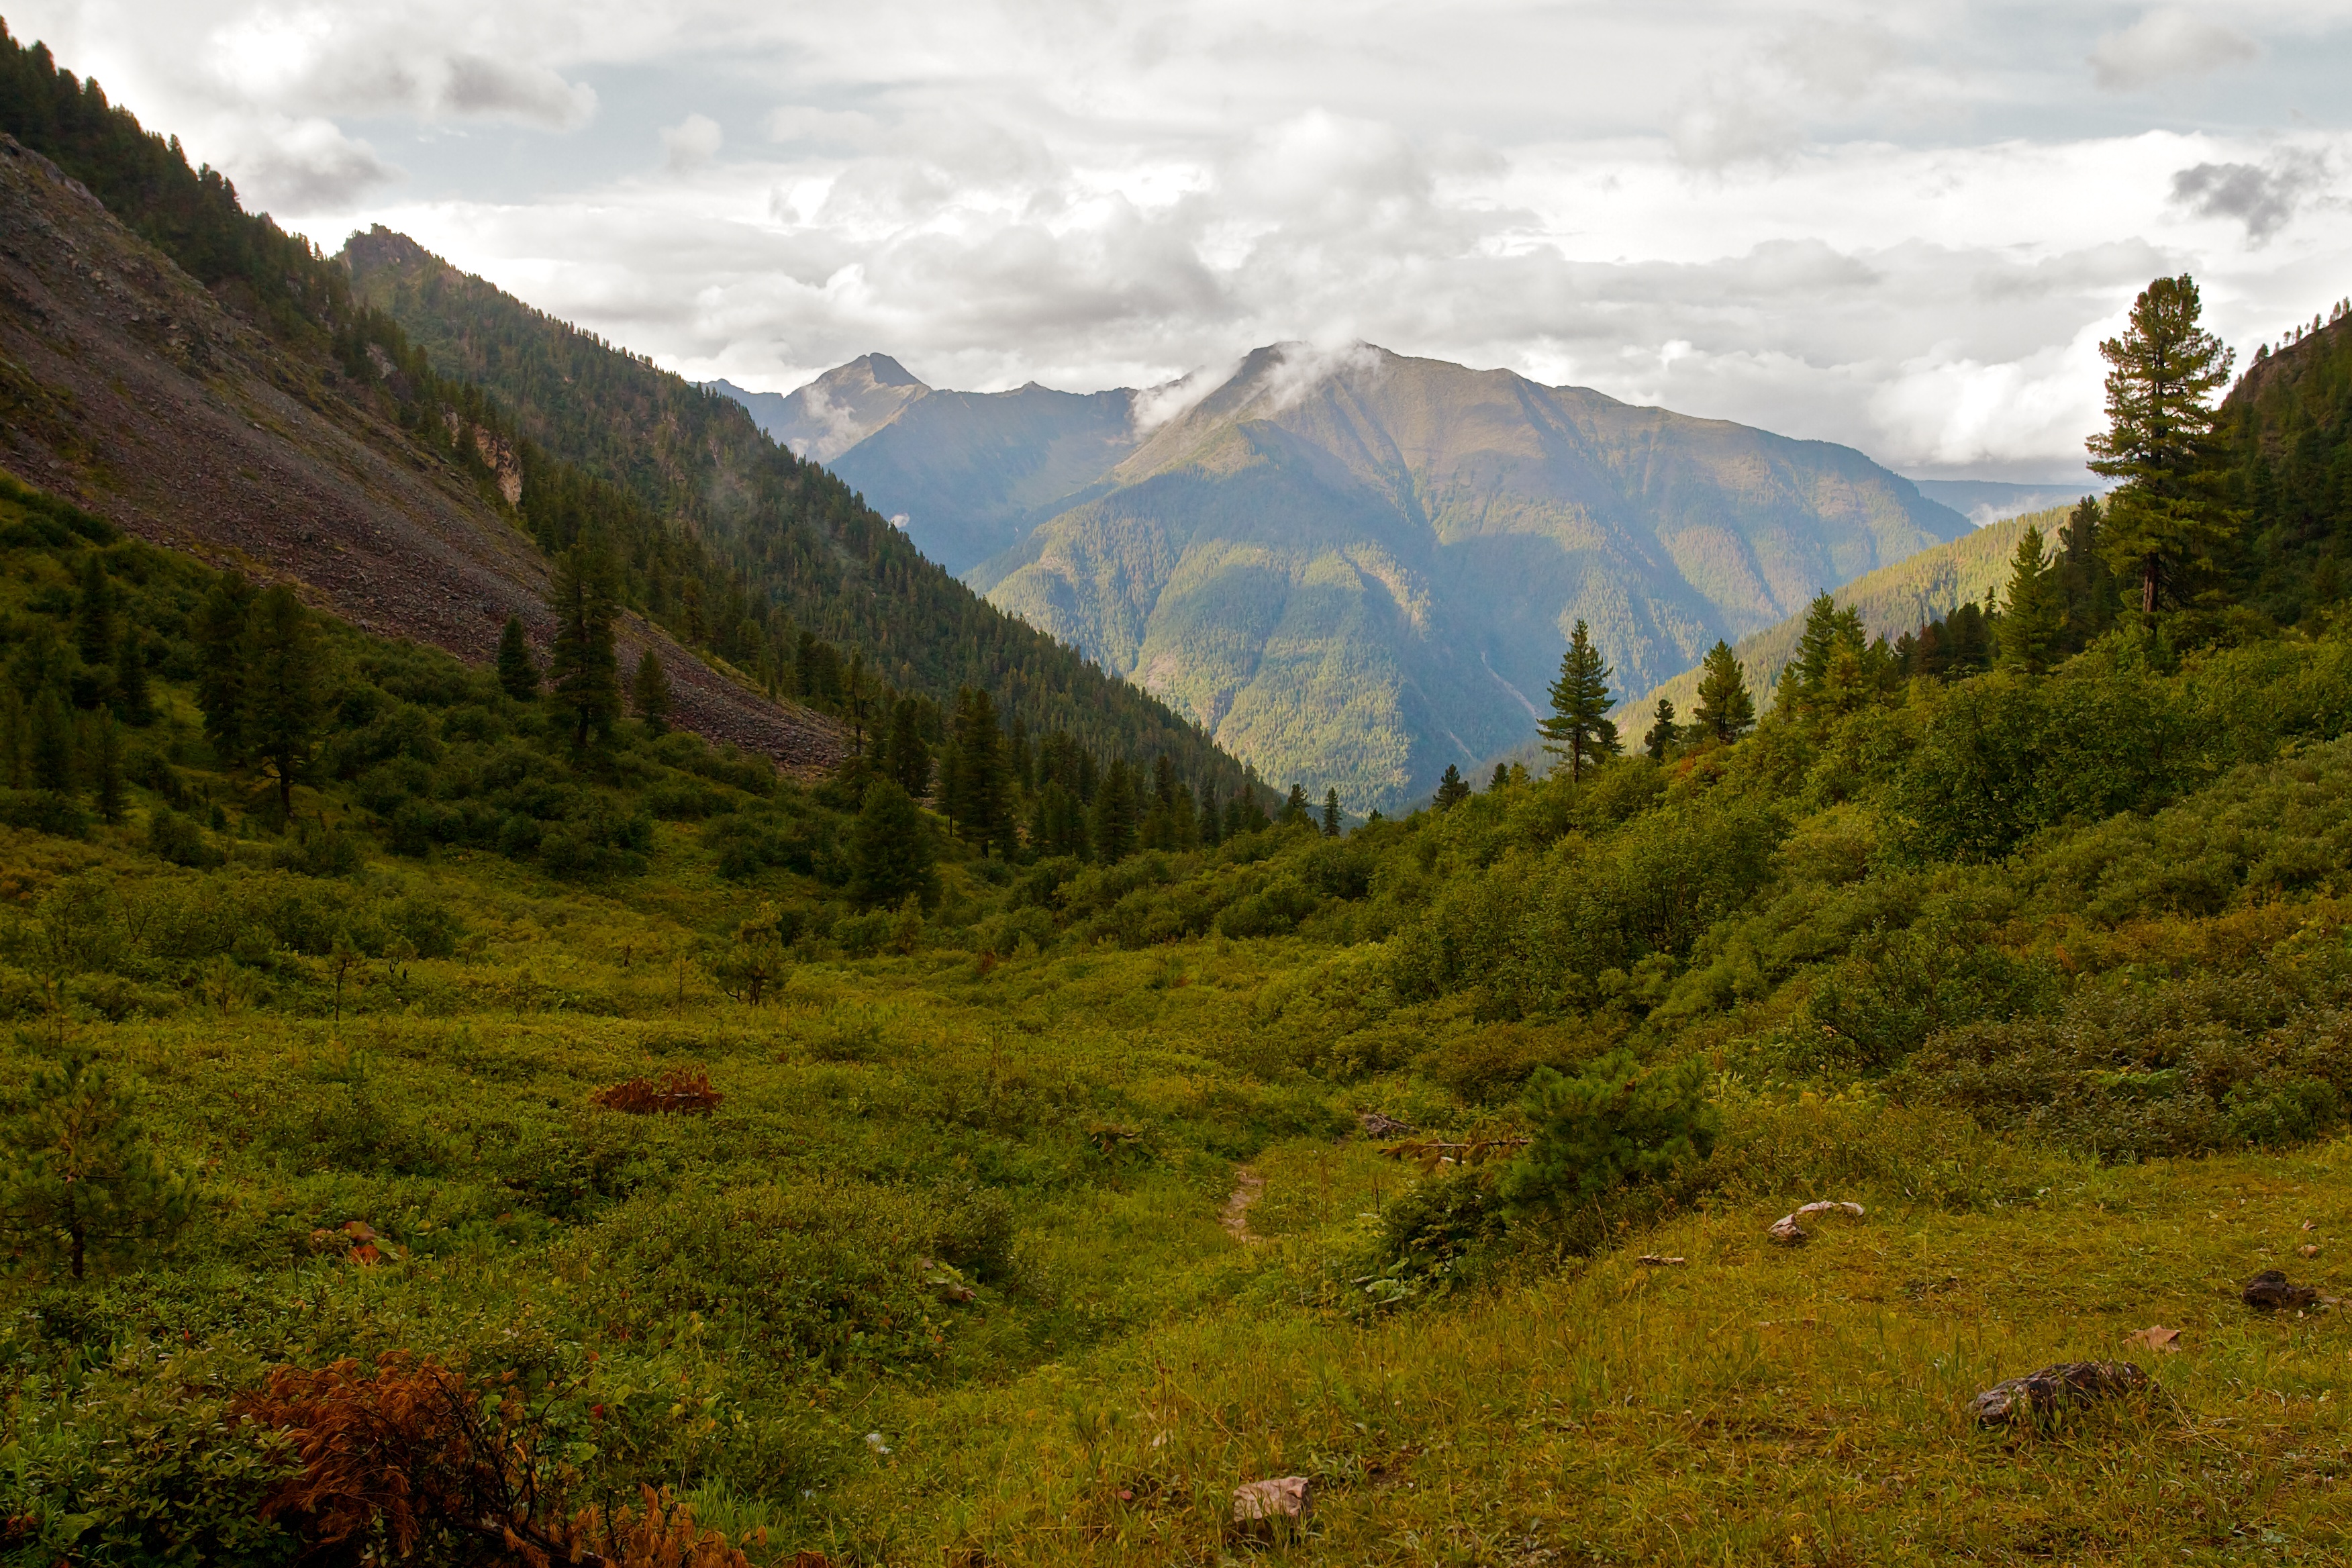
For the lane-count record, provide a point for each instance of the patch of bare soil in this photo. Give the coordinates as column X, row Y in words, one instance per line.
column 1248, row 1187
column 128, row 388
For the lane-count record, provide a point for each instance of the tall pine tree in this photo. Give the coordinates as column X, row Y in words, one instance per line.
column 220, row 670
column 650, row 693
column 281, row 720
column 1579, row 728
column 1663, row 734
column 518, row 671
column 1725, row 710
column 2169, row 512
column 2032, row 620
column 584, row 671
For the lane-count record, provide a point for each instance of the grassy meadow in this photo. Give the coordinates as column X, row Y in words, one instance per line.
column 1020, row 1219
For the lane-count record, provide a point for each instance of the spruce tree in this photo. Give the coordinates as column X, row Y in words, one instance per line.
column 583, row 672
column 220, row 672
column 650, row 693
column 1330, row 814
column 2088, row 587
column 94, row 627
column 80, row 1178
column 52, row 749
column 1579, row 728
column 2030, row 621
column 113, row 793
column 905, row 756
column 1502, row 776
column 1725, row 710
column 890, row 852
column 978, row 780
column 1294, row 809
column 1452, row 789
column 518, row 671
column 1663, row 734
column 281, row 720
column 132, row 698
column 2170, row 512
column 1114, row 821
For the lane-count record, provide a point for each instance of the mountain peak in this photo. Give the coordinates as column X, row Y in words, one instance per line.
column 879, row 369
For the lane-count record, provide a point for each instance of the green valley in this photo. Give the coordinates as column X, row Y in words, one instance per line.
column 461, row 1106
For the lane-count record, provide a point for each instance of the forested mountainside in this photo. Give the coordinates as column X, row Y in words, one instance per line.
column 795, row 1155
column 1891, row 601
column 227, row 395
column 796, row 539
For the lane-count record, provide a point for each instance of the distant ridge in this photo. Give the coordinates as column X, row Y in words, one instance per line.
column 1895, row 599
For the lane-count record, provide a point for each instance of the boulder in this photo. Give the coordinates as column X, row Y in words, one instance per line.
column 2056, row 1387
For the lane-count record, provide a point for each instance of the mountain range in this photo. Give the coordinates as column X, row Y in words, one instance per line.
column 1355, row 568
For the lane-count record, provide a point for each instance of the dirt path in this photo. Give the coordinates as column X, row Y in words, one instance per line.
column 1248, row 1187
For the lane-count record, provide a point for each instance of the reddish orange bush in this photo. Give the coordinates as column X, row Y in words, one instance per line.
column 406, row 1447
column 680, row 1092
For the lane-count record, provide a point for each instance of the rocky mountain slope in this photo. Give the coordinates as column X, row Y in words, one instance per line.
column 130, row 388
column 796, row 537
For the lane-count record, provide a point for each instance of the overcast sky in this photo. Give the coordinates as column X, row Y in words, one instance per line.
column 1903, row 227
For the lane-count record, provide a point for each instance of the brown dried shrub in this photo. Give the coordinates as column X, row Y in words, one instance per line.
column 405, row 1452
column 682, row 1091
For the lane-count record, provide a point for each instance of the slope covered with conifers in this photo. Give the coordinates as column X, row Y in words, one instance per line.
column 792, row 533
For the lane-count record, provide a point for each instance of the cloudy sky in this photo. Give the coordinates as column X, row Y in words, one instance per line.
column 1903, row 226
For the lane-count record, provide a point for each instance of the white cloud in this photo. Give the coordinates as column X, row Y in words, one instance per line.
column 692, row 142
column 1891, row 225
column 2170, row 41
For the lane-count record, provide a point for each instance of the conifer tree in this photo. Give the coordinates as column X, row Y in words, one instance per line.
column 15, row 739
column 650, row 693
column 1114, row 821
column 1211, row 825
column 584, row 671
column 1502, row 776
column 1725, row 710
column 1452, row 789
column 976, row 780
column 2169, row 512
column 281, row 720
column 2031, row 619
column 2088, row 587
column 1330, row 814
column 112, row 793
column 906, row 758
column 518, row 671
column 1579, row 728
column 80, row 1177
column 221, row 672
column 94, row 629
column 52, row 750
column 1294, row 809
column 1661, row 734
column 890, row 850
column 132, row 698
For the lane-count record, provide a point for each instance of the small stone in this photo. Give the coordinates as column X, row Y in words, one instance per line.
column 2054, row 1388
column 2269, row 1291
column 1285, row 1497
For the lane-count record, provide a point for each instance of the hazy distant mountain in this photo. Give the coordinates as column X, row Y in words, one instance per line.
column 1984, row 501
column 1355, row 569
column 966, row 474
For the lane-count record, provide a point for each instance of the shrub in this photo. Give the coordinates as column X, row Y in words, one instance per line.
column 178, row 839
column 1610, row 1126
column 682, row 1091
